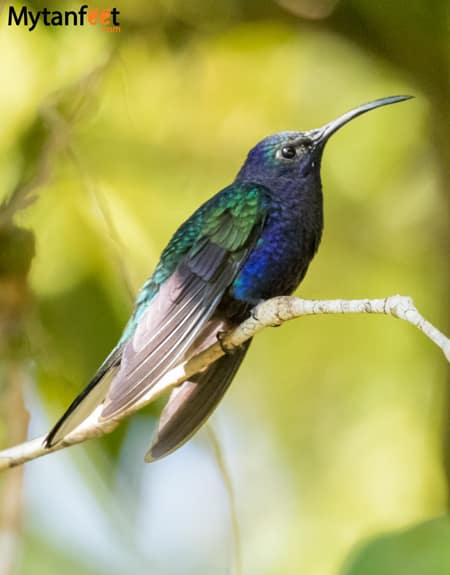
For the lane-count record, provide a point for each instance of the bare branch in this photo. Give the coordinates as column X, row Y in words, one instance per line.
column 273, row 312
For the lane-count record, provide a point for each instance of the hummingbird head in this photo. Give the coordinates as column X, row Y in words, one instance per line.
column 295, row 156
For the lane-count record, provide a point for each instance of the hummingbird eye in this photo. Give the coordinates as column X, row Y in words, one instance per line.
column 288, row 152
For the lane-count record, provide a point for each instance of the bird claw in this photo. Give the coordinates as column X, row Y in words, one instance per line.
column 254, row 315
column 253, row 311
column 220, row 335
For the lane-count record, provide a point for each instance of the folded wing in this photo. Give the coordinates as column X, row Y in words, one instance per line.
column 175, row 305
column 184, row 304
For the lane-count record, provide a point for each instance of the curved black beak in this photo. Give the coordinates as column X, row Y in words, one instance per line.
column 321, row 135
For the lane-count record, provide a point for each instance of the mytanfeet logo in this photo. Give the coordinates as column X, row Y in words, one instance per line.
column 107, row 19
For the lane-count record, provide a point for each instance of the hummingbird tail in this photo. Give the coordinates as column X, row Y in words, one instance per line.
column 191, row 404
column 86, row 402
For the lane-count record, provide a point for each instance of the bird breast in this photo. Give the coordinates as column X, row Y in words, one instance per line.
column 281, row 256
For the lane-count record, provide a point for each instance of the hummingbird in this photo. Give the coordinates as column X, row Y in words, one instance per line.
column 252, row 241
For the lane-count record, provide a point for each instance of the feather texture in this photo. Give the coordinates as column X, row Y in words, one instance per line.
column 174, row 308
column 182, row 307
column 85, row 403
column 191, row 404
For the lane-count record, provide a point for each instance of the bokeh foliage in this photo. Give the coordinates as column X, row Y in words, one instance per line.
column 334, row 427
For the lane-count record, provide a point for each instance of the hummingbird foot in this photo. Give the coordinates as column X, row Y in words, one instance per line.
column 254, row 314
column 220, row 335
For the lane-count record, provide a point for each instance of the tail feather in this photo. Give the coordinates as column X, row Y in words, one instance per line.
column 191, row 404
column 85, row 403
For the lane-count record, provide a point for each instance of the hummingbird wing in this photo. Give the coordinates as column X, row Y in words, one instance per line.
column 186, row 301
column 175, row 304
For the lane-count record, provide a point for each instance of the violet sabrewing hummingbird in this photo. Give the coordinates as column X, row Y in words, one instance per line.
column 252, row 241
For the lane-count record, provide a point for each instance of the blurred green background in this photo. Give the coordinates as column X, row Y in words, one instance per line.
column 335, row 430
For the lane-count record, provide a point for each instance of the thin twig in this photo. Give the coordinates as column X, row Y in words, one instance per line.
column 117, row 248
column 59, row 127
column 269, row 313
column 23, row 195
column 228, row 483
